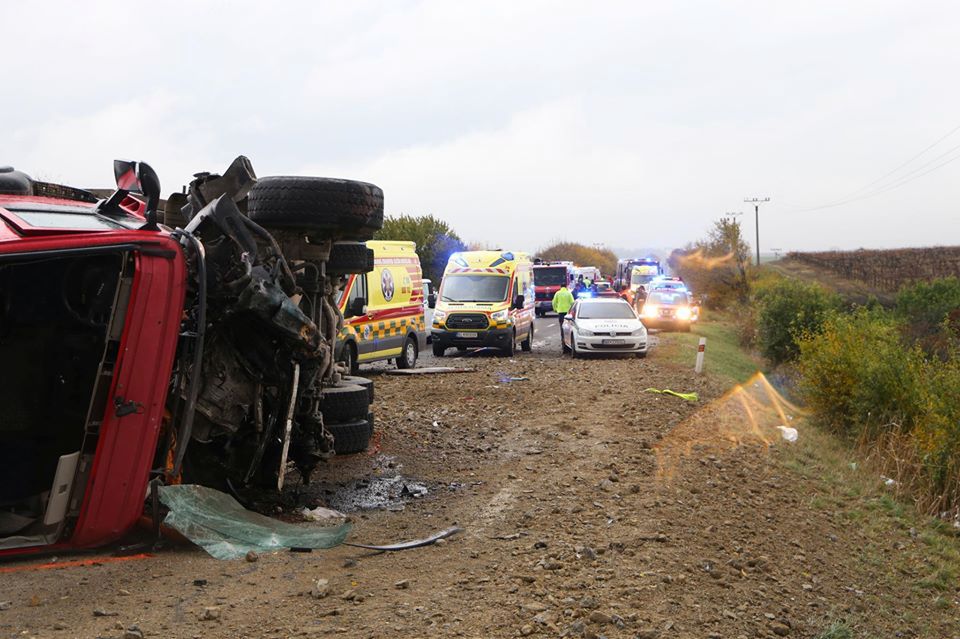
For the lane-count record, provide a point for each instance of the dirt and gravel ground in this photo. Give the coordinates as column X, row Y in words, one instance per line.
column 589, row 509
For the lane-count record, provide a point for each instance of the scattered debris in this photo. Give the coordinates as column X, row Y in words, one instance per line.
column 322, row 514
column 210, row 613
column 321, row 588
column 415, row 543
column 690, row 397
column 226, row 530
column 99, row 612
column 252, row 556
column 790, row 434
column 430, row 370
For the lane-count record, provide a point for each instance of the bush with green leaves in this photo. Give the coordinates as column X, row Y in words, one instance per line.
column 785, row 310
column 926, row 310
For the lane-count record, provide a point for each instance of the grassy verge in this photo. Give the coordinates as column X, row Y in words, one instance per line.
column 913, row 560
column 725, row 359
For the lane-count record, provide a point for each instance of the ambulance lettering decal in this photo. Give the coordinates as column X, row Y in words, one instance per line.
column 386, row 284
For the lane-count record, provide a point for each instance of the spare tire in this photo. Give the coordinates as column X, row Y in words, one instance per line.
column 347, row 258
column 360, row 381
column 317, row 204
column 350, row 437
column 344, row 403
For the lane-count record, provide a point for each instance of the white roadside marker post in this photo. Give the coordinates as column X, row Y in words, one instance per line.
column 701, row 348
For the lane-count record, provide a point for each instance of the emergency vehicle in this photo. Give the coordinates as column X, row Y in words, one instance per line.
column 383, row 309
column 548, row 278
column 636, row 272
column 486, row 298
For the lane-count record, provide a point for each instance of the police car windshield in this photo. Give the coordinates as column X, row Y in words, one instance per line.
column 667, row 297
column 605, row 310
column 474, row 288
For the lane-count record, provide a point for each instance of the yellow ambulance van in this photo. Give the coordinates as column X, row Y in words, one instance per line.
column 486, row 298
column 383, row 309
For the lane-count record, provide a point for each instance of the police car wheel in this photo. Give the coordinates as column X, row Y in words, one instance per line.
column 349, row 258
column 351, row 437
column 641, row 355
column 408, row 357
column 317, row 204
column 438, row 350
column 343, row 403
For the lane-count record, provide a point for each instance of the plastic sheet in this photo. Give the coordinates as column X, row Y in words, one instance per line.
column 690, row 397
column 226, row 530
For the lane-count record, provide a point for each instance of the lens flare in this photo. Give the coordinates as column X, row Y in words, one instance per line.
column 748, row 414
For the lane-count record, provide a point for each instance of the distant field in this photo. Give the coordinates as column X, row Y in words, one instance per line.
column 886, row 270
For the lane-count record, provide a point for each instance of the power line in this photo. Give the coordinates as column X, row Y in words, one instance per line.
column 896, row 183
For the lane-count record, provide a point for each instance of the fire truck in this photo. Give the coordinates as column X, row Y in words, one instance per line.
column 548, row 277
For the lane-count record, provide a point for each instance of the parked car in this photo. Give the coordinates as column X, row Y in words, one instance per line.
column 196, row 348
column 603, row 325
column 670, row 309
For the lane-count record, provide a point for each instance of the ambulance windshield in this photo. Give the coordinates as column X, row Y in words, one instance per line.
column 474, row 288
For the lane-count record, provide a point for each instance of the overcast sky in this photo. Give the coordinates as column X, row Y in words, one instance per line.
column 632, row 124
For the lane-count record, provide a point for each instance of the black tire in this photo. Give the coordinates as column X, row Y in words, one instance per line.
column 344, row 403
column 315, row 203
column 408, row 356
column 350, row 437
column 563, row 347
column 348, row 258
column 461, row 349
column 511, row 348
column 349, row 357
column 538, row 312
column 641, row 355
column 438, row 350
column 360, row 381
column 370, row 424
column 573, row 349
column 527, row 344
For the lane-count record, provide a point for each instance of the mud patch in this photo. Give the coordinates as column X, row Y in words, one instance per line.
column 376, row 493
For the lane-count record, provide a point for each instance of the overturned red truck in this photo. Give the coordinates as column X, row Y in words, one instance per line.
column 197, row 347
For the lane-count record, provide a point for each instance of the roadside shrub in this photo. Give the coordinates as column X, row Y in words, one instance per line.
column 926, row 310
column 857, row 375
column 861, row 379
column 785, row 310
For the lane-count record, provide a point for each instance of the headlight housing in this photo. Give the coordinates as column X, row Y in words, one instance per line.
column 640, row 331
column 683, row 313
column 584, row 332
column 439, row 316
column 650, row 310
column 500, row 316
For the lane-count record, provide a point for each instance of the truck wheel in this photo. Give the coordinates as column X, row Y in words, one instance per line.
column 317, row 204
column 438, row 350
column 538, row 312
column 408, row 357
column 360, row 381
column 344, row 403
column 348, row 258
column 349, row 357
column 350, row 437
column 527, row 344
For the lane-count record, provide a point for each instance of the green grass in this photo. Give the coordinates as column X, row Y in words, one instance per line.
column 725, row 358
column 837, row 630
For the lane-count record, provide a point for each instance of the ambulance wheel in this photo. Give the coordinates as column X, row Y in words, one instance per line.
column 408, row 357
column 438, row 350
column 348, row 258
column 360, row 381
column 344, row 403
column 349, row 358
column 317, row 204
column 527, row 344
column 511, row 348
column 350, row 437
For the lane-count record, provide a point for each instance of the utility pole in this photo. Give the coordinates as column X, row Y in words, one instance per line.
column 757, row 201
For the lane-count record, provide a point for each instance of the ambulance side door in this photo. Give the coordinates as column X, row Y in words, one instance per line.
column 366, row 336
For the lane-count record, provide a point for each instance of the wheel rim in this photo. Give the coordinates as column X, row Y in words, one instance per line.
column 411, row 353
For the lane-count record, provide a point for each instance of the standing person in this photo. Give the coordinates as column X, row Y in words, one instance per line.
column 562, row 303
column 639, row 298
column 626, row 294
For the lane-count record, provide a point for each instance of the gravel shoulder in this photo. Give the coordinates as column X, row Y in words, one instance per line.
column 590, row 508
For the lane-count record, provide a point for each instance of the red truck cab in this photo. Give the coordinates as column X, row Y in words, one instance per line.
column 548, row 278
column 90, row 309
